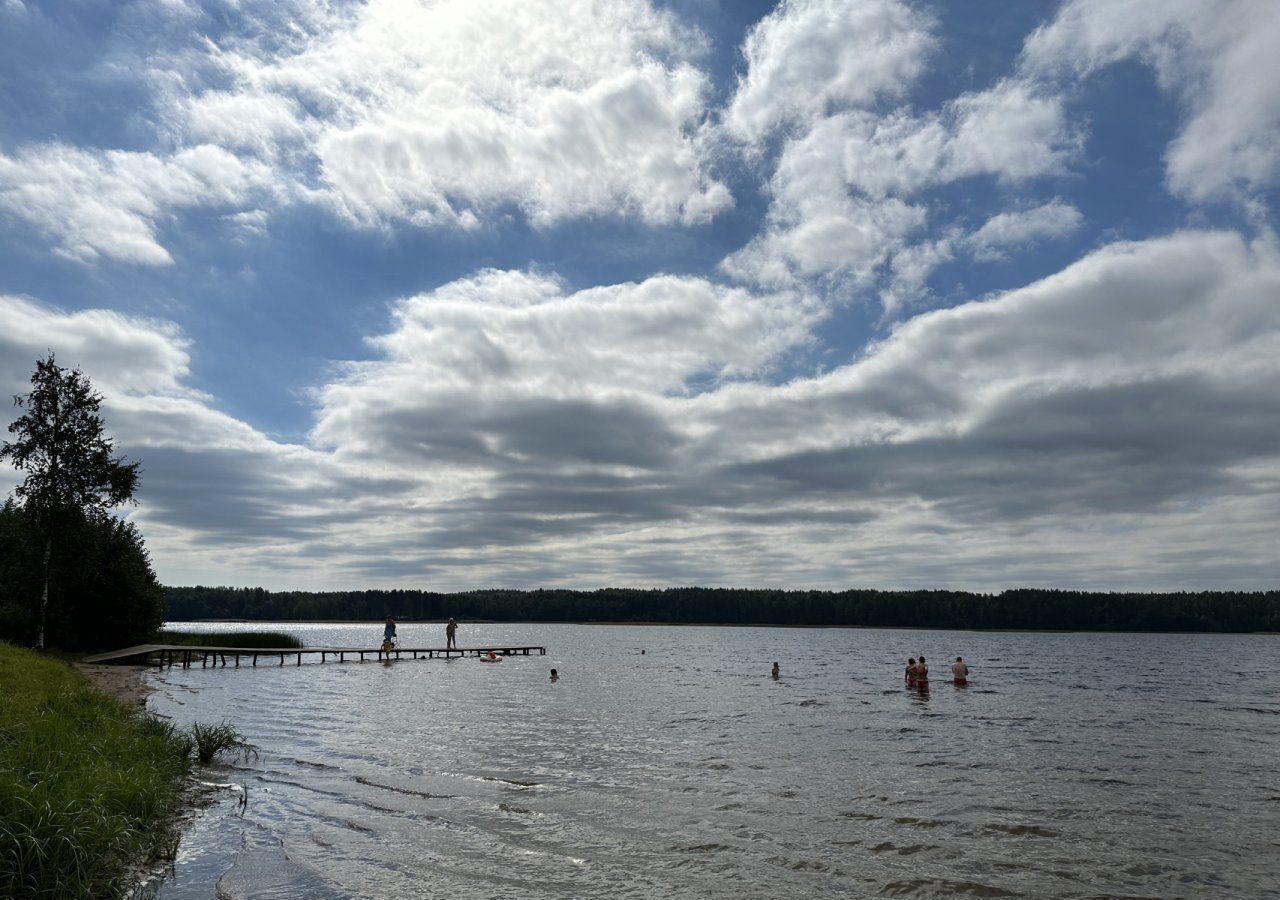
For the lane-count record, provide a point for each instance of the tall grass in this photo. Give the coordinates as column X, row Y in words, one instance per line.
column 88, row 786
column 211, row 740
column 248, row 639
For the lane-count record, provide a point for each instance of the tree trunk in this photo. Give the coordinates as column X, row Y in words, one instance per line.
column 44, row 593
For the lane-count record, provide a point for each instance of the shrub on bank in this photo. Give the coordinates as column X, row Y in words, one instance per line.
column 209, row 741
column 88, row 786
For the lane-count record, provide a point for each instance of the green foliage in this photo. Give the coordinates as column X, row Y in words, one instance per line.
column 1021, row 609
column 213, row 740
column 65, row 541
column 62, row 446
column 19, row 576
column 87, row 785
column 103, row 592
column 273, row 640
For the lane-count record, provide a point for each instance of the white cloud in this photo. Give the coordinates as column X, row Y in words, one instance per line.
column 123, row 355
column 846, row 197
column 1112, row 426
column 849, row 205
column 448, row 113
column 1018, row 228
column 810, row 57
column 215, row 492
column 1218, row 59
column 110, row 204
column 1011, row 131
column 504, row 343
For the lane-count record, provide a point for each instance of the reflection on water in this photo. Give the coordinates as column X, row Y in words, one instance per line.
column 1071, row 766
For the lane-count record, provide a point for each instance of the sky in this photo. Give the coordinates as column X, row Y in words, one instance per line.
column 453, row 294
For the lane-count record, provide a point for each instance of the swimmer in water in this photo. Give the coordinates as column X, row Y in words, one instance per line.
column 922, row 675
column 960, row 672
column 910, row 675
column 776, row 673
column 555, row 676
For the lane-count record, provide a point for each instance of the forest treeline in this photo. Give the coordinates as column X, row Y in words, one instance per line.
column 103, row 593
column 1022, row 609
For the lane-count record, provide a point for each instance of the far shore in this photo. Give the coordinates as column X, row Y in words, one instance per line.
column 441, row 622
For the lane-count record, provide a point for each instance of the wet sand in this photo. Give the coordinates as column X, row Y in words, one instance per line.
column 124, row 683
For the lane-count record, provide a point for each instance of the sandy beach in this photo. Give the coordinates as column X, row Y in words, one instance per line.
column 124, row 683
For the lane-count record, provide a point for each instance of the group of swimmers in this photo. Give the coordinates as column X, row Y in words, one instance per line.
column 917, row 673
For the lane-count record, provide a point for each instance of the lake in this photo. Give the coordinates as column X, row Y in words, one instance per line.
column 1071, row 766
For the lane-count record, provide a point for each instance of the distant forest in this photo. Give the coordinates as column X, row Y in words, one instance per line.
column 1021, row 609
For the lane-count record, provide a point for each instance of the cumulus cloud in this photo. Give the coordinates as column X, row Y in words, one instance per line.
column 98, row 205
column 1218, row 60
column 1018, row 228
column 508, row 367
column 211, row 484
column 450, row 113
column 1113, row 425
column 810, row 57
column 1124, row 392
column 1009, row 438
column 848, row 196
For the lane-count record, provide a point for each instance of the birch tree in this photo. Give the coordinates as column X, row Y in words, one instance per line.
column 71, row 468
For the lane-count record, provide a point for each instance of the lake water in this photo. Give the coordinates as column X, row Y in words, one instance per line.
column 1073, row 765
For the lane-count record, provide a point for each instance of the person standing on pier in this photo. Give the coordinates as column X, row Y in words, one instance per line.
column 451, row 635
column 389, row 633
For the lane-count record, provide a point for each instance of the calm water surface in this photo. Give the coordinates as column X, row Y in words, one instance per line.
column 1073, row 765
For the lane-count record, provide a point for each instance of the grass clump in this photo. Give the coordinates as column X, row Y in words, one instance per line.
column 209, row 741
column 88, row 786
column 251, row 640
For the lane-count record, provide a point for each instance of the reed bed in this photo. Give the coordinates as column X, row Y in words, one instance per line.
column 88, row 786
column 251, row 640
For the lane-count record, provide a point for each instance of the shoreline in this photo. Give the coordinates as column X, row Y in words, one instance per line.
column 124, row 683
column 94, row 785
column 127, row 684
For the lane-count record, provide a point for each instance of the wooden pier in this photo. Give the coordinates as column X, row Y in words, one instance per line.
column 186, row 656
